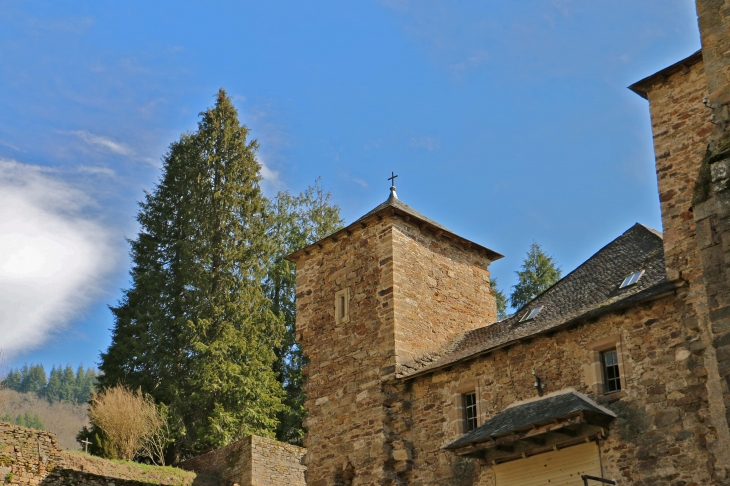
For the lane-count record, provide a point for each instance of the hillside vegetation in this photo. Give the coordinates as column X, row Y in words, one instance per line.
column 61, row 385
column 62, row 418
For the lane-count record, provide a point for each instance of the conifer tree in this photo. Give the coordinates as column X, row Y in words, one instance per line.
column 295, row 222
column 195, row 329
column 500, row 298
column 537, row 275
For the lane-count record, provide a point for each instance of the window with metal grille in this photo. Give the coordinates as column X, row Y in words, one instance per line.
column 470, row 411
column 611, row 378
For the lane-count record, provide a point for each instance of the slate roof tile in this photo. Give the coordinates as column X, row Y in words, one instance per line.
column 531, row 413
column 591, row 289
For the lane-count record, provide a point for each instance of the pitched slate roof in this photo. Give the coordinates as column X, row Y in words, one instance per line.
column 531, row 413
column 402, row 209
column 589, row 290
column 394, row 202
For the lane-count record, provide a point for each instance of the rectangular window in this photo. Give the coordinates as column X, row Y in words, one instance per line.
column 342, row 306
column 611, row 378
column 470, row 411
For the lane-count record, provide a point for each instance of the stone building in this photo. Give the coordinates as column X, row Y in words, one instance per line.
column 619, row 371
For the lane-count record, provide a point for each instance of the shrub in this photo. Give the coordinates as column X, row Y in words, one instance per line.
column 131, row 422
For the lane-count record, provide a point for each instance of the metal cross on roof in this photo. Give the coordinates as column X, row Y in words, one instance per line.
column 86, row 443
column 392, row 179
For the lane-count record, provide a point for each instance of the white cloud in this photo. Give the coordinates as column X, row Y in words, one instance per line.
column 10, row 146
column 104, row 143
column 271, row 182
column 429, row 143
column 52, row 255
column 96, row 170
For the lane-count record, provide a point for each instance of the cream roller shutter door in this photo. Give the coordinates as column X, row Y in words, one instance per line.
column 558, row 468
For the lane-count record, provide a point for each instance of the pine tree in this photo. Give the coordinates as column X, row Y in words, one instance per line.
column 195, row 329
column 13, row 380
column 54, row 388
column 33, row 379
column 295, row 222
column 537, row 275
column 500, row 298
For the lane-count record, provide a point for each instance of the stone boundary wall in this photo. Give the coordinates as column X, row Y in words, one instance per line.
column 275, row 463
column 253, row 461
column 231, row 464
column 27, row 455
column 33, row 457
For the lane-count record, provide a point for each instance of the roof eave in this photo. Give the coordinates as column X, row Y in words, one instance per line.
column 643, row 86
column 422, row 223
column 657, row 291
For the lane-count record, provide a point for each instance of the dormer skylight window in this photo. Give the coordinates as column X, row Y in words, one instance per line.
column 531, row 314
column 631, row 279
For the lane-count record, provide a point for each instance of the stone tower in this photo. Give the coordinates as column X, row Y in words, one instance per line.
column 392, row 288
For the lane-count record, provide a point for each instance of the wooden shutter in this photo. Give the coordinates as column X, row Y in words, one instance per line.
column 558, row 468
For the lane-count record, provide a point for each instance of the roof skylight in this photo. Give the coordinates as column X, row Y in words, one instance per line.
column 631, row 279
column 531, row 314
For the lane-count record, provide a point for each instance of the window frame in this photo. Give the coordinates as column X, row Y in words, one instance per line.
column 457, row 414
column 630, row 281
column 342, row 306
column 606, row 368
column 595, row 376
column 531, row 314
column 467, row 407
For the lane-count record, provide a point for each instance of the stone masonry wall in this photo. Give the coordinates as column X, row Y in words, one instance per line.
column 276, row 463
column 29, row 455
column 693, row 249
column 253, row 461
column 33, row 457
column 412, row 291
column 681, row 128
column 347, row 361
column 660, row 437
column 232, row 463
column 441, row 290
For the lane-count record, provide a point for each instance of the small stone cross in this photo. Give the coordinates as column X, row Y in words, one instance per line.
column 86, row 445
column 392, row 179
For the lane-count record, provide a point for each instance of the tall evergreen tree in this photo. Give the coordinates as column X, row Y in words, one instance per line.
column 33, row 379
column 195, row 329
column 537, row 275
column 295, row 222
column 500, row 298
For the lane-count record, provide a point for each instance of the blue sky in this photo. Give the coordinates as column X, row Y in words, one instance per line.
column 508, row 122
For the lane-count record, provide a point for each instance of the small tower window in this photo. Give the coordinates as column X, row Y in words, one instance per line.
column 611, row 376
column 531, row 314
column 342, row 306
column 470, row 411
column 632, row 279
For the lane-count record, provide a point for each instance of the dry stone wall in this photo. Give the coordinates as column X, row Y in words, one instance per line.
column 33, row 457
